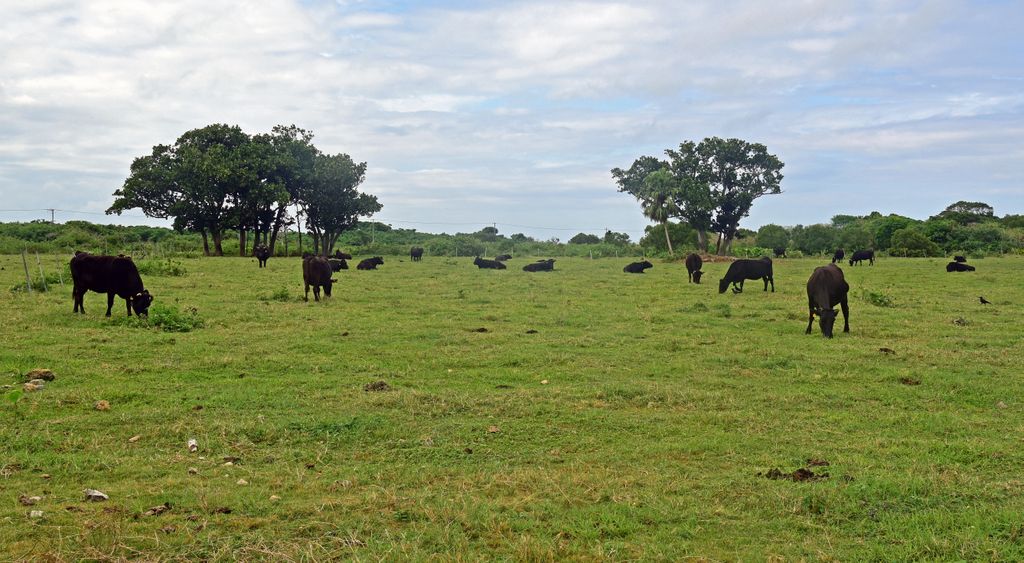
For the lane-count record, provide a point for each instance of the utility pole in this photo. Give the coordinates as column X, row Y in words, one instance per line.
column 51, row 215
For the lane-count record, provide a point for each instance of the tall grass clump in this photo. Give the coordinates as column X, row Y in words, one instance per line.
column 165, row 267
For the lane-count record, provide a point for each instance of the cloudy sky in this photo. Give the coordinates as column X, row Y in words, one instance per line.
column 470, row 113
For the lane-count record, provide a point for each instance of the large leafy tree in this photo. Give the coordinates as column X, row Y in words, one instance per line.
column 713, row 184
column 331, row 202
column 197, row 181
column 287, row 165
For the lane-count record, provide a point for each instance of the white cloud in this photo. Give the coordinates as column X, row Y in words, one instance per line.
column 501, row 104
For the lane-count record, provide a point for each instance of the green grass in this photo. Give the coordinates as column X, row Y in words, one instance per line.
column 664, row 402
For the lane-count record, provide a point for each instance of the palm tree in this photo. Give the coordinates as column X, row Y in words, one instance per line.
column 657, row 204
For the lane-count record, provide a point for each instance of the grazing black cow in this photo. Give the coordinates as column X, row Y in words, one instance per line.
column 484, row 263
column 693, row 265
column 741, row 270
column 540, row 266
column 261, row 252
column 862, row 255
column 339, row 255
column 337, row 264
column 316, row 272
column 370, row 263
column 838, row 256
column 503, row 257
column 415, row 253
column 827, row 288
column 959, row 258
column 780, row 251
column 959, row 267
column 637, row 267
column 113, row 275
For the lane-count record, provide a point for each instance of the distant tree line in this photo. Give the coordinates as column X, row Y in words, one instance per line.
column 363, row 237
column 218, row 179
column 964, row 226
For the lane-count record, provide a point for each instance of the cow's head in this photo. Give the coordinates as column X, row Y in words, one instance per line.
column 723, row 284
column 327, row 287
column 141, row 302
column 697, row 275
column 826, row 320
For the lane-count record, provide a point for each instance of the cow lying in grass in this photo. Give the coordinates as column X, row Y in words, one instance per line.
column 486, row 264
column 540, row 266
column 741, row 270
column 827, row 288
column 370, row 263
column 637, row 267
column 959, row 267
column 338, row 264
column 503, row 257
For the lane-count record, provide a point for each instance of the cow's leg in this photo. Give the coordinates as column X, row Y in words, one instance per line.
column 76, row 296
column 810, row 321
column 110, row 302
column 316, row 293
column 306, row 298
column 846, row 314
column 128, row 304
column 769, row 279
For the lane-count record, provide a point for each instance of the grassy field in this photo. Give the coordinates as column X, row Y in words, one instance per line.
column 640, row 421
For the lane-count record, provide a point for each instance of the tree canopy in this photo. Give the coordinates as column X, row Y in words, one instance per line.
column 711, row 185
column 217, row 178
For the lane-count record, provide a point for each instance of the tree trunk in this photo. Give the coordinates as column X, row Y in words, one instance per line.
column 668, row 240
column 218, row 239
column 276, row 228
column 206, row 243
column 726, row 246
column 702, row 240
column 241, row 241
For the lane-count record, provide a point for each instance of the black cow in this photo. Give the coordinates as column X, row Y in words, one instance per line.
column 780, row 251
column 339, row 255
column 261, row 252
column 741, row 270
column 484, row 263
column 370, row 263
column 113, row 275
column 959, row 258
column 316, row 272
column 959, row 267
column 415, row 253
column 838, row 256
column 337, row 264
column 825, row 289
column 540, row 266
column 503, row 257
column 862, row 255
column 693, row 265
column 637, row 267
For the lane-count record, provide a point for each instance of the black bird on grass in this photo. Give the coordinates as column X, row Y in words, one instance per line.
column 984, row 301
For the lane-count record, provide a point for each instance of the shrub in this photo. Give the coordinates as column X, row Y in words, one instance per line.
column 878, row 298
column 165, row 317
column 751, row 251
column 165, row 267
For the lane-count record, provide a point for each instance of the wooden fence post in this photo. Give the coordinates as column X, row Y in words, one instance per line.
column 28, row 278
